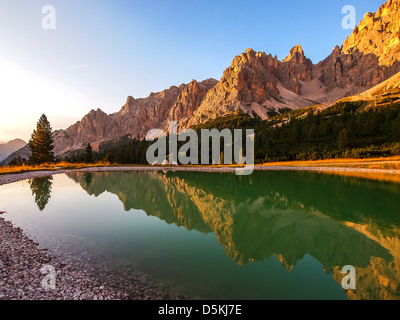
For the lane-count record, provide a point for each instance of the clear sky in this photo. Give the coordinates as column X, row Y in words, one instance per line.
column 102, row 51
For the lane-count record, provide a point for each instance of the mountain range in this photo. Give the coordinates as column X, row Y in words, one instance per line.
column 10, row 147
column 256, row 84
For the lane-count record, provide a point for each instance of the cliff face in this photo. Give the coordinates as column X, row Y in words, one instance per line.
column 91, row 128
column 295, row 68
column 190, row 99
column 378, row 34
column 368, row 56
column 135, row 118
column 250, row 78
column 256, row 83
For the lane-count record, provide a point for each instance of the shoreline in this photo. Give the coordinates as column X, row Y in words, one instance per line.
column 82, row 276
column 369, row 173
column 21, row 263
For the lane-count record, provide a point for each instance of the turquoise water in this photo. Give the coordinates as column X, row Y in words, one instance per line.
column 271, row 235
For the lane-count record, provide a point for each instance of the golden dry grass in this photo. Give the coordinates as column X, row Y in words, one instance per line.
column 388, row 163
column 50, row 167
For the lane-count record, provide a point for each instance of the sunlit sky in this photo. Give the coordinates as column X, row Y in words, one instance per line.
column 103, row 51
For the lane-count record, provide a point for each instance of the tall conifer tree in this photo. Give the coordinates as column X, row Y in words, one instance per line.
column 41, row 143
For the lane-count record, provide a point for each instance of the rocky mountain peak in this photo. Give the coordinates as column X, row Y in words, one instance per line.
column 295, row 68
column 296, row 53
column 251, row 85
column 249, row 58
column 129, row 106
column 94, row 114
column 378, row 34
column 130, row 99
column 369, row 56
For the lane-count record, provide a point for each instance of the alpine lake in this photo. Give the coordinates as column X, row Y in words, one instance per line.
column 269, row 235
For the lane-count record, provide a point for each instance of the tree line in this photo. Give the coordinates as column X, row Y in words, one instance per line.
column 337, row 132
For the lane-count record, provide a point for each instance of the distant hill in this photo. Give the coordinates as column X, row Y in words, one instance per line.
column 10, row 147
column 23, row 153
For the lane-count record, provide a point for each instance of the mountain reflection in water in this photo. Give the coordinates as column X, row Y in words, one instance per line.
column 337, row 220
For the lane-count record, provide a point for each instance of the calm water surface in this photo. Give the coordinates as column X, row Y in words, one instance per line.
column 271, row 235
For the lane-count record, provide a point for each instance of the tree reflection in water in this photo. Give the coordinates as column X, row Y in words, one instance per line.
column 41, row 189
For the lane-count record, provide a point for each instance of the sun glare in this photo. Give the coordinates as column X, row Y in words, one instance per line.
column 25, row 96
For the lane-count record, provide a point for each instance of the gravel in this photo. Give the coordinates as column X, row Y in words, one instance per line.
column 82, row 276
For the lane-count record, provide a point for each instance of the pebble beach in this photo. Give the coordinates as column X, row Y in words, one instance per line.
column 83, row 277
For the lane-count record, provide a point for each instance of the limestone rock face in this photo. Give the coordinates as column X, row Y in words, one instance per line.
column 353, row 72
column 147, row 113
column 190, row 99
column 295, row 68
column 92, row 126
column 135, row 118
column 250, row 78
column 252, row 84
column 368, row 56
column 378, row 34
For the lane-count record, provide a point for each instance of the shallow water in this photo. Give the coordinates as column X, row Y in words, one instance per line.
column 270, row 235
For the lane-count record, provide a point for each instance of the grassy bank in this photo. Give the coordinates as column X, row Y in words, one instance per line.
column 51, row 167
column 385, row 163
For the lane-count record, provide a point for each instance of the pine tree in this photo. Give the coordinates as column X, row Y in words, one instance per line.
column 41, row 143
column 343, row 139
column 88, row 157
